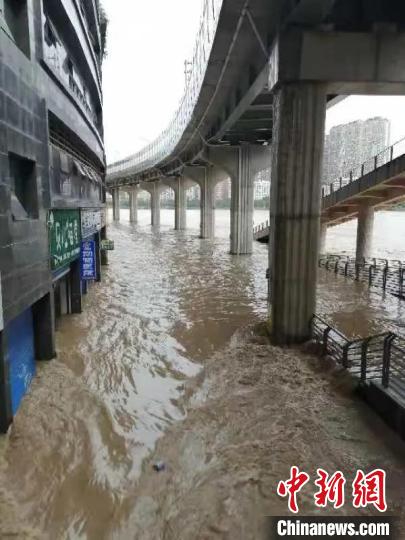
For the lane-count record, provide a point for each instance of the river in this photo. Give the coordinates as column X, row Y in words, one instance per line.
column 168, row 302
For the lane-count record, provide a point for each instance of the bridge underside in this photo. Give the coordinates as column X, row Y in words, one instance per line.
column 272, row 68
column 381, row 195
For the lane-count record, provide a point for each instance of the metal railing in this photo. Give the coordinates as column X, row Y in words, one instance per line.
column 385, row 156
column 379, row 358
column 261, row 227
column 164, row 145
column 388, row 275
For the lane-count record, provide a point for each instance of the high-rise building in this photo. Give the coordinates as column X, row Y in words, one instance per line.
column 349, row 145
column 193, row 193
column 52, row 190
column 262, row 185
column 167, row 195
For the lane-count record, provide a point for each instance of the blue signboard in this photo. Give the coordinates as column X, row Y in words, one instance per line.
column 88, row 260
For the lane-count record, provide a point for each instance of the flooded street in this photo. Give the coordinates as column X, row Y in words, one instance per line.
column 132, row 365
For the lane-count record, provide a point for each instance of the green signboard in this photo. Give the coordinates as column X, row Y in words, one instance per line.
column 64, row 237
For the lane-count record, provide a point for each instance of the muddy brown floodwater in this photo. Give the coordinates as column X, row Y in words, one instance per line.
column 169, row 361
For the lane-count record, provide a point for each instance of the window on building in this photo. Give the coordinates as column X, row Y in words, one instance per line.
column 24, row 188
column 14, row 19
column 69, row 66
column 50, row 34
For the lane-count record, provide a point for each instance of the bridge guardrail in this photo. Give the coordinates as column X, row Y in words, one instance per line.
column 161, row 147
column 261, row 227
column 385, row 156
column 388, row 275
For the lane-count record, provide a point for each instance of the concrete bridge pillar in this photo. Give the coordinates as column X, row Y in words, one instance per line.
column 365, row 226
column 207, row 227
column 116, row 203
column 179, row 185
column 322, row 238
column 155, row 205
column 205, row 178
column 299, row 126
column 180, row 204
column 242, row 203
column 133, row 205
column 241, row 163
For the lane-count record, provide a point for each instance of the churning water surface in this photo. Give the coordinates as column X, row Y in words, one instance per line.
column 168, row 302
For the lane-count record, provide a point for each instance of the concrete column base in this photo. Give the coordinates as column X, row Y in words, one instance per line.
column 75, row 287
column 116, row 204
column 44, row 327
column 180, row 205
column 155, row 206
column 298, row 138
column 133, row 206
column 322, row 238
column 103, row 253
column 242, row 204
column 207, row 202
column 365, row 227
column 241, row 164
column 204, row 177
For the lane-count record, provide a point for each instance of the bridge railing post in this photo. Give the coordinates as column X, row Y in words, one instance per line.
column 385, row 273
column 347, row 266
column 370, row 273
column 359, row 265
column 387, row 360
column 345, row 359
column 325, row 336
column 363, row 371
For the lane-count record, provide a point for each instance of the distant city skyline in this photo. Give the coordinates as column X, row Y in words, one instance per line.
column 350, row 144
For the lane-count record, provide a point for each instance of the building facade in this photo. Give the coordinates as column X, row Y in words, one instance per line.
column 349, row 145
column 223, row 190
column 52, row 166
column 262, row 189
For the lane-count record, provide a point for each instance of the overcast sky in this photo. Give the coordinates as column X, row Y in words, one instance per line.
column 148, row 41
column 143, row 74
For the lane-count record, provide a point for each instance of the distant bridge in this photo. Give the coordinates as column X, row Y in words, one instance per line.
column 376, row 184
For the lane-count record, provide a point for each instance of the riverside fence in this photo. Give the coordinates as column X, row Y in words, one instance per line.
column 388, row 275
column 378, row 358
